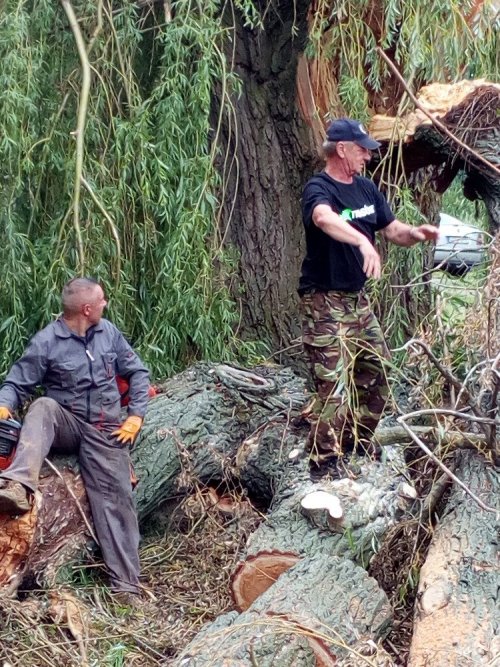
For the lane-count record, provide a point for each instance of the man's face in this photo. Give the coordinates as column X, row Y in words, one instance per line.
column 354, row 157
column 95, row 306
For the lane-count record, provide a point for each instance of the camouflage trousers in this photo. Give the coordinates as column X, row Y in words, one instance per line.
column 346, row 350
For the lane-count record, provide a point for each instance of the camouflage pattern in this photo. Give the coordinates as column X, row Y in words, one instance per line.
column 346, row 350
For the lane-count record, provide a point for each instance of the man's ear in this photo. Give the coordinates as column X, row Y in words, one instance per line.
column 340, row 148
column 86, row 309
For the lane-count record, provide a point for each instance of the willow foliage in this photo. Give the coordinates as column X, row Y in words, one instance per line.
column 148, row 220
column 148, row 211
column 436, row 40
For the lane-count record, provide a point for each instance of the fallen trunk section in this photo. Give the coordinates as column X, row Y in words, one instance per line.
column 191, row 436
column 456, row 621
column 300, row 589
column 314, row 614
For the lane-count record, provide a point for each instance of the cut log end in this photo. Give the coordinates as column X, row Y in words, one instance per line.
column 257, row 573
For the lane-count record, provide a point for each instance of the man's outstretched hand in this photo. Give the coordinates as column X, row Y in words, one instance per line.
column 128, row 431
column 425, row 233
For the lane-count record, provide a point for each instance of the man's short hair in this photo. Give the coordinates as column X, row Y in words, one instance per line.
column 75, row 294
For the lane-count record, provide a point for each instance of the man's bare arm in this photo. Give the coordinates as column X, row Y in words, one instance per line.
column 405, row 235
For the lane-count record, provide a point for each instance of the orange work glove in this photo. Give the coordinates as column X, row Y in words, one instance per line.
column 5, row 413
column 128, row 431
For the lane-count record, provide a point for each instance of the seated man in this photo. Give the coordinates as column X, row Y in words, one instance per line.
column 76, row 359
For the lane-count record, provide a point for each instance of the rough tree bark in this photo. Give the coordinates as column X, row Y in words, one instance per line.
column 372, row 497
column 223, row 426
column 456, row 621
column 308, row 617
column 273, row 157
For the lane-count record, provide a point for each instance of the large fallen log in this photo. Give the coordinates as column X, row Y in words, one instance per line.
column 345, row 517
column 224, row 427
column 191, row 435
column 213, row 424
column 195, row 427
column 315, row 614
column 457, row 622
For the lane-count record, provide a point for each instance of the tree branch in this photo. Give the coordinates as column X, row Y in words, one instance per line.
column 448, row 375
column 439, row 463
column 80, row 128
column 111, row 224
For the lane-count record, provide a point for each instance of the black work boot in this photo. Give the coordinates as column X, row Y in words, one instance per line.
column 13, row 498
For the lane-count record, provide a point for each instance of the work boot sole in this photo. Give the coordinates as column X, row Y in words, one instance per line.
column 13, row 506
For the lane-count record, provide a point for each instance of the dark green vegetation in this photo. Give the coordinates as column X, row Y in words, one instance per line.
column 147, row 223
column 151, row 214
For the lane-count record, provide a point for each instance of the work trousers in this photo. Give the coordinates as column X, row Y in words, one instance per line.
column 105, row 469
column 346, row 350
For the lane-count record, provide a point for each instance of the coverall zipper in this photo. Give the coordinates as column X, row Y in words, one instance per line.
column 91, row 359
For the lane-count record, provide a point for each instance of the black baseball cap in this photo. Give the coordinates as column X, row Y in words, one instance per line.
column 346, row 129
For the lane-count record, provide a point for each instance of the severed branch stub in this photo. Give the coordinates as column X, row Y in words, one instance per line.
column 322, row 507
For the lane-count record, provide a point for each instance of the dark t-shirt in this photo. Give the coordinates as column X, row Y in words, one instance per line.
column 331, row 264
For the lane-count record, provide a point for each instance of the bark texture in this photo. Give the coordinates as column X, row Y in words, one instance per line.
column 308, row 617
column 470, row 111
column 273, row 156
column 372, row 497
column 313, row 602
column 195, row 429
column 457, row 622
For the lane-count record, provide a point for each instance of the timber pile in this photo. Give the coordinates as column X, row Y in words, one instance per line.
column 192, row 435
column 302, row 595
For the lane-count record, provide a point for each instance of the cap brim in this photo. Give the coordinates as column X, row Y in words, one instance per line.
column 368, row 142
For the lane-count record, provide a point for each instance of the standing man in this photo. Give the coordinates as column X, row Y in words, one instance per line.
column 342, row 338
column 76, row 359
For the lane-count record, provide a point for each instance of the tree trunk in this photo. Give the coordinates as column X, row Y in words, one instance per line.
column 456, row 620
column 314, row 614
column 303, row 598
column 213, row 425
column 372, row 497
column 274, row 156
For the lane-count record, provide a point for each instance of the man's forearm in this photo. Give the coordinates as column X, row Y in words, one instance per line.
column 405, row 235
column 334, row 226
